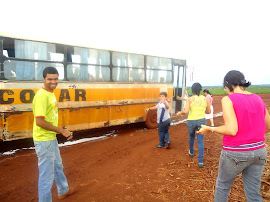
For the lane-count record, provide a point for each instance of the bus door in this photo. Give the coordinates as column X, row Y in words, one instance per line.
column 179, row 84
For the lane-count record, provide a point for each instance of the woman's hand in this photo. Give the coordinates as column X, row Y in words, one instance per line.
column 204, row 129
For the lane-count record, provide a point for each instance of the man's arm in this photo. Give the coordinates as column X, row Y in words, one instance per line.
column 181, row 98
column 40, row 121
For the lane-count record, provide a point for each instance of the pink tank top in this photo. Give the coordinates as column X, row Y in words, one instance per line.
column 210, row 99
column 250, row 113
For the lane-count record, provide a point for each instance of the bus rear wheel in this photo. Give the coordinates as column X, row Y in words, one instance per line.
column 151, row 119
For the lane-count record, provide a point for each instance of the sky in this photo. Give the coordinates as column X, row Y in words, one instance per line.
column 213, row 36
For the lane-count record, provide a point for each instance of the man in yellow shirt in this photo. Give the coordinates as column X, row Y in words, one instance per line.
column 45, row 128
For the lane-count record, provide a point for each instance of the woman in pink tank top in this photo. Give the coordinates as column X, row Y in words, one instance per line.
column 246, row 122
column 210, row 116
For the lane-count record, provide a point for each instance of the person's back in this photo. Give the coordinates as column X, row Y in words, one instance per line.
column 250, row 113
column 197, row 107
column 245, row 123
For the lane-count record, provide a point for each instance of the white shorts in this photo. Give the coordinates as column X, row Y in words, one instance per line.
column 210, row 116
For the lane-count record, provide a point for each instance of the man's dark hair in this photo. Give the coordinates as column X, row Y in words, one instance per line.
column 196, row 89
column 163, row 93
column 235, row 78
column 49, row 70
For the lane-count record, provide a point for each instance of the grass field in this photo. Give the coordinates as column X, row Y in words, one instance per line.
column 219, row 90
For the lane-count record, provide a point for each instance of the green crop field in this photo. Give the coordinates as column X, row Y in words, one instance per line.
column 219, row 90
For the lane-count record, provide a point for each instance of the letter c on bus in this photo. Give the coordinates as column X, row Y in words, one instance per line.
column 6, row 101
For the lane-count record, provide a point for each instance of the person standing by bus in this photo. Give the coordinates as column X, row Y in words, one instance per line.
column 210, row 116
column 196, row 107
column 184, row 99
column 164, row 121
column 246, row 121
column 45, row 128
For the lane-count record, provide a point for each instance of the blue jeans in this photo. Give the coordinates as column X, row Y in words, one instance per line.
column 192, row 125
column 232, row 163
column 163, row 132
column 50, row 169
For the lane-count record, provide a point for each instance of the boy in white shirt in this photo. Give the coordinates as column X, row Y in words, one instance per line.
column 164, row 121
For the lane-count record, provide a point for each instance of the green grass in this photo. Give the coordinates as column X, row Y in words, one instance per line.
column 219, row 90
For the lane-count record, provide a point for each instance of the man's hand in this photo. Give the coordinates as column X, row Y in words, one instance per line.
column 67, row 133
column 40, row 121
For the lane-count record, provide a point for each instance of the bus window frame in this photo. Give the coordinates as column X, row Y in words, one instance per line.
column 65, row 63
column 2, row 59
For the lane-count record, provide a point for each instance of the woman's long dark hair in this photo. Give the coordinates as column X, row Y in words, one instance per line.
column 196, row 89
column 207, row 91
column 235, row 78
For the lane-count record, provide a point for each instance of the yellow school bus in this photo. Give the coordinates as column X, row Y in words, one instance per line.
column 97, row 88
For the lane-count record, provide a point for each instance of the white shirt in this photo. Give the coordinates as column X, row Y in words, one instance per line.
column 166, row 115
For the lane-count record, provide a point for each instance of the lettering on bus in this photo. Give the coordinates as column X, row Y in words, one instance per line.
column 27, row 96
column 64, row 95
column 23, row 96
column 9, row 100
column 80, row 93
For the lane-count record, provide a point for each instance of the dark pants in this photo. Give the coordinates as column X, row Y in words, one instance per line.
column 163, row 132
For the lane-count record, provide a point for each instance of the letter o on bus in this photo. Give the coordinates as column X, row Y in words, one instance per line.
column 27, row 99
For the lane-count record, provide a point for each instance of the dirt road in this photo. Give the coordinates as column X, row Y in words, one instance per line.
column 128, row 167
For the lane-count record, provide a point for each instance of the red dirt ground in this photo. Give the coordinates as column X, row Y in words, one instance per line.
column 128, row 167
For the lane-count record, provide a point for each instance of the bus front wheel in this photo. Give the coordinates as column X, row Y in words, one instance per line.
column 151, row 119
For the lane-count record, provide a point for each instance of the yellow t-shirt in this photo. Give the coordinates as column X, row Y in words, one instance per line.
column 197, row 108
column 45, row 105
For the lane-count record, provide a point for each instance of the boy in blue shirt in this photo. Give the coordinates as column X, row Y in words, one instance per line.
column 164, row 121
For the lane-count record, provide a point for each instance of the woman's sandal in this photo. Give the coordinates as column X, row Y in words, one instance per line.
column 190, row 154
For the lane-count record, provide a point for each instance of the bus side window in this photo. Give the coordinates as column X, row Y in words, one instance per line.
column 26, row 67
column 69, row 58
column 8, row 46
column 11, row 53
column 159, row 69
column 128, row 67
column 88, row 64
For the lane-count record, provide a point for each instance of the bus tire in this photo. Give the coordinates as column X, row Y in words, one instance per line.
column 151, row 119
